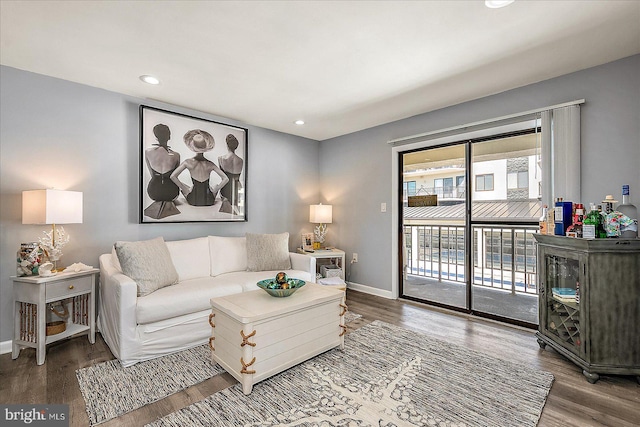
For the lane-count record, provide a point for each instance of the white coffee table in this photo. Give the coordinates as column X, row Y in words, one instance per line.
column 255, row 335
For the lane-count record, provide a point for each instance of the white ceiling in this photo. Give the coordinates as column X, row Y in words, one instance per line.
column 340, row 66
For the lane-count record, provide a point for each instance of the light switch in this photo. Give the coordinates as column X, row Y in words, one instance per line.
column 383, row 207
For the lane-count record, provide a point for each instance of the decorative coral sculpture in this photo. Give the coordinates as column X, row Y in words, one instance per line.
column 53, row 242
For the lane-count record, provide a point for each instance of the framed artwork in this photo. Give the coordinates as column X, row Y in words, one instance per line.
column 191, row 169
column 307, row 241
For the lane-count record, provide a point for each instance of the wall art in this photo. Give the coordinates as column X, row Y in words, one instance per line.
column 191, row 169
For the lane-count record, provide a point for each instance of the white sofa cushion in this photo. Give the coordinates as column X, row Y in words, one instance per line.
column 268, row 252
column 190, row 257
column 227, row 254
column 186, row 297
column 148, row 263
column 193, row 295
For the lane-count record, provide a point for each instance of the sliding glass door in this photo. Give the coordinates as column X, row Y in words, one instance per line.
column 434, row 226
column 473, row 250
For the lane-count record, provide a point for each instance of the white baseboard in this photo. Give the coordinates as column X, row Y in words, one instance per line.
column 5, row 347
column 370, row 290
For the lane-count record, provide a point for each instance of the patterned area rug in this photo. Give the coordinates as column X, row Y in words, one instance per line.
column 386, row 376
column 109, row 390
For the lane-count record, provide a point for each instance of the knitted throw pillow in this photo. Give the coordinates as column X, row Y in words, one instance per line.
column 148, row 263
column 268, row 252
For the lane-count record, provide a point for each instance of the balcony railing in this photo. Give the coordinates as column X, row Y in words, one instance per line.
column 442, row 192
column 504, row 257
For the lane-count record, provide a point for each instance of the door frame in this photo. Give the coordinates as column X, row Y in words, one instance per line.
column 397, row 232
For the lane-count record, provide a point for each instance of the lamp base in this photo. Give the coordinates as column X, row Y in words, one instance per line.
column 49, row 267
column 320, row 232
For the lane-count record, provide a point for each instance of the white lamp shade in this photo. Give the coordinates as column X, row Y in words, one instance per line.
column 320, row 214
column 51, row 207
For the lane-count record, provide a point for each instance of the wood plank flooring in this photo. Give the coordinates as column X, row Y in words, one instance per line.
column 612, row 401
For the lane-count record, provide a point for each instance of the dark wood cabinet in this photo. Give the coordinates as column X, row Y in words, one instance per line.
column 590, row 302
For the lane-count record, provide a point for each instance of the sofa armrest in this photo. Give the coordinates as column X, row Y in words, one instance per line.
column 303, row 262
column 117, row 308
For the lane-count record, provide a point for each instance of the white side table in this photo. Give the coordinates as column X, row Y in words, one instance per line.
column 335, row 256
column 31, row 294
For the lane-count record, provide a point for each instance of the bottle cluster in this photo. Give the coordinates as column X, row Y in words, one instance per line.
column 601, row 221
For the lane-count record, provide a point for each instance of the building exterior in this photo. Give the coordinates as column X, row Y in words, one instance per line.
column 505, row 199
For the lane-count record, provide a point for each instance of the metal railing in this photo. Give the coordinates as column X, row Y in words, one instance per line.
column 504, row 257
column 442, row 192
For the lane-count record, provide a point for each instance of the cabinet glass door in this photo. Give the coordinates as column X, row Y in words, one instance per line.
column 563, row 300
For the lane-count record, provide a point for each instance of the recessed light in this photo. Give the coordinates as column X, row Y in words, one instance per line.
column 299, row 122
column 496, row 4
column 150, row 79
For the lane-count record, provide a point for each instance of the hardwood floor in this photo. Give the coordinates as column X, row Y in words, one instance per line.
column 612, row 401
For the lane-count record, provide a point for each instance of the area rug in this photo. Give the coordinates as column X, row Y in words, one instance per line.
column 386, row 376
column 109, row 390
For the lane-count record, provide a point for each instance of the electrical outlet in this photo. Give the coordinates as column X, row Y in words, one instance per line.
column 354, row 258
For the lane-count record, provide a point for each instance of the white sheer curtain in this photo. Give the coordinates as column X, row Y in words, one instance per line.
column 560, row 154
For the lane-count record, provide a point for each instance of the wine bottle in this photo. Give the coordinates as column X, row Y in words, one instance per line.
column 629, row 210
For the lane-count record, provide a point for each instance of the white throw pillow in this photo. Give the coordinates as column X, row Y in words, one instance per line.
column 268, row 252
column 190, row 257
column 227, row 254
column 148, row 263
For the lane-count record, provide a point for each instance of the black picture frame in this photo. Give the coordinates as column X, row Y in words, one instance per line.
column 191, row 169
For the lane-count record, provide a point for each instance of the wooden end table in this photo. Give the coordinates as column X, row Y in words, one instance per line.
column 334, row 256
column 31, row 294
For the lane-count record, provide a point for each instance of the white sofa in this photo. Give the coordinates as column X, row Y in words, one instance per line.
column 175, row 317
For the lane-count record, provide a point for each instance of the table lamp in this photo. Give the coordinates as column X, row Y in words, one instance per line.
column 322, row 215
column 52, row 207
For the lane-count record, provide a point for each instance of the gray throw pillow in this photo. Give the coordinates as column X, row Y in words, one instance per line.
column 148, row 263
column 268, row 252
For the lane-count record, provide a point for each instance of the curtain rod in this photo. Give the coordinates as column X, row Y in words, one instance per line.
column 433, row 134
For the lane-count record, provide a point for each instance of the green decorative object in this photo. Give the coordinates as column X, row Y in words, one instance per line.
column 281, row 277
column 281, row 290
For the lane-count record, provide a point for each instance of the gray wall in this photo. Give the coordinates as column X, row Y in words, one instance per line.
column 355, row 170
column 58, row 134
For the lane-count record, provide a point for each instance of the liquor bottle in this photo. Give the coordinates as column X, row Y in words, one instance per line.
column 550, row 222
column 543, row 220
column 562, row 216
column 627, row 209
column 590, row 223
column 575, row 229
column 602, row 233
column 578, row 219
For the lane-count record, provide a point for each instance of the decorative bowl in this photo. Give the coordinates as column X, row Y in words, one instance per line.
column 281, row 290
